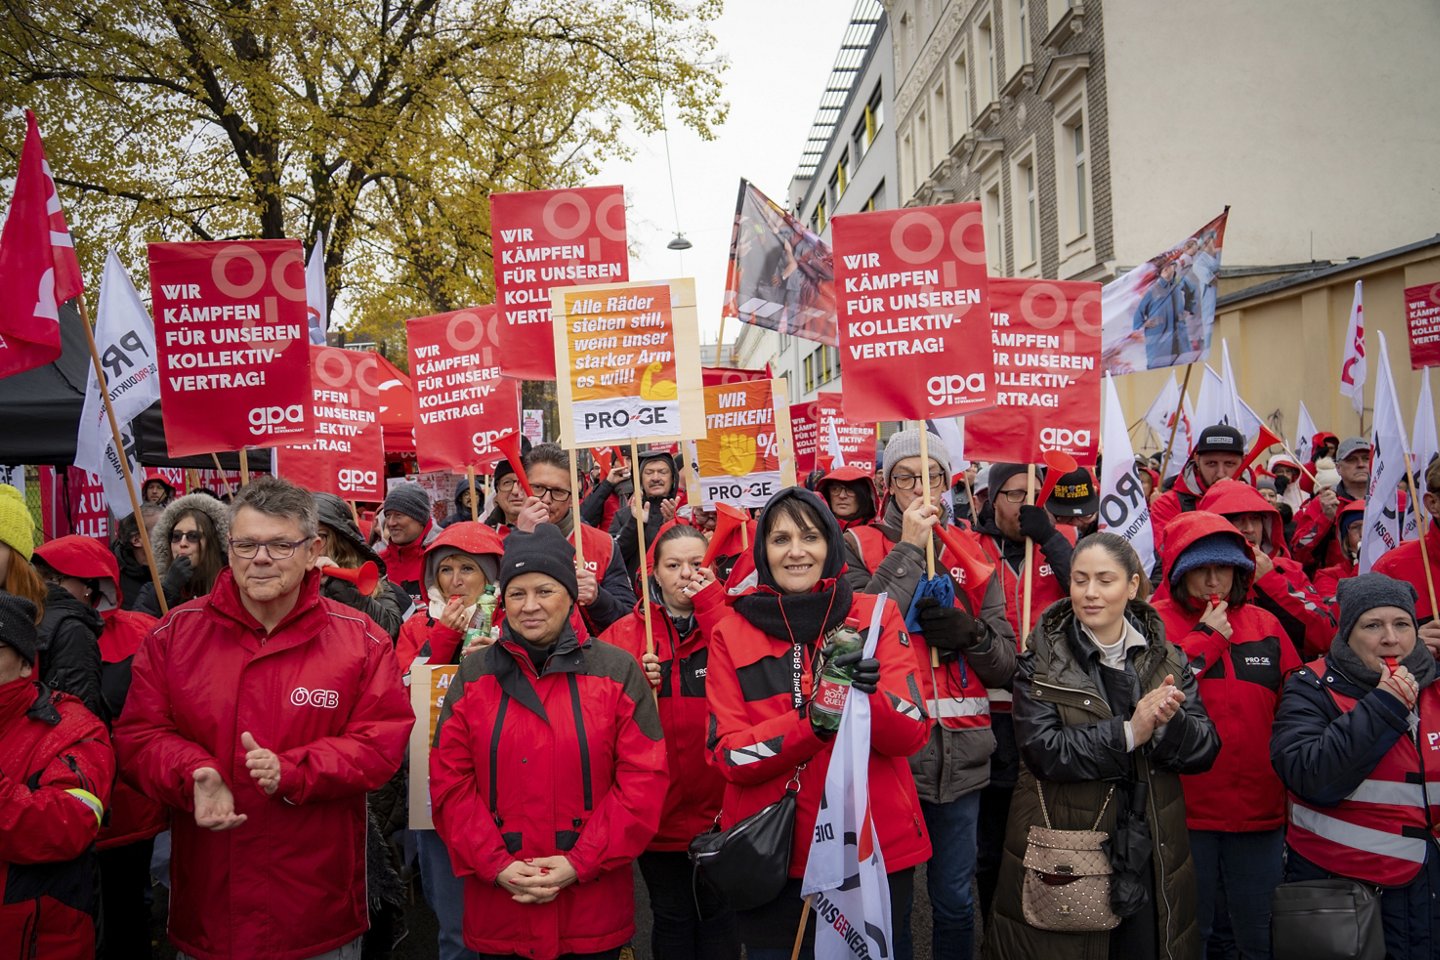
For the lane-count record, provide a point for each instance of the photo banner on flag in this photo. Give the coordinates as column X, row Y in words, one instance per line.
column 1123, row 507
column 804, row 434
column 1162, row 313
column 546, row 240
column 857, row 440
column 781, row 275
column 1047, row 373
column 913, row 312
column 346, row 457
column 745, row 457
column 1422, row 320
column 631, row 356
column 462, row 400
column 232, row 335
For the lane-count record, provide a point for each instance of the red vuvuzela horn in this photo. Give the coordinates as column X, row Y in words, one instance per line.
column 1057, row 464
column 365, row 577
column 1262, row 442
column 509, row 444
column 727, row 520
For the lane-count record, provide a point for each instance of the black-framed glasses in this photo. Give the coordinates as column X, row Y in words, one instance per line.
column 907, row 481
column 506, row 484
column 184, row 536
column 553, row 494
column 1014, row 496
column 276, row 549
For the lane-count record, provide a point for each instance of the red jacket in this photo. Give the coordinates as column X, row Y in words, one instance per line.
column 476, row 539
column 405, row 563
column 568, row 763
column 693, row 800
column 1045, row 586
column 760, row 736
column 1327, row 580
column 1314, row 543
column 56, row 767
column 133, row 816
column 1317, row 442
column 1240, row 681
column 1183, row 497
column 1285, row 591
column 1403, row 563
column 322, row 690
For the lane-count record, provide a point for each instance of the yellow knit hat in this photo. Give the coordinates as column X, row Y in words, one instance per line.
column 16, row 527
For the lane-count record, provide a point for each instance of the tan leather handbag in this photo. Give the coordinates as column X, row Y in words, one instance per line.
column 1067, row 876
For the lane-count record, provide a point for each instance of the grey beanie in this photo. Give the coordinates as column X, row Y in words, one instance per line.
column 1366, row 592
column 410, row 499
column 906, row 443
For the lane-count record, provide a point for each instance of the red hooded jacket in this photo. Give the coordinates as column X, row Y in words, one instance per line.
column 405, row 562
column 1285, row 590
column 56, row 767
column 1314, row 543
column 1183, row 497
column 1317, row 443
column 423, row 628
column 1240, row 679
column 323, row 692
column 848, row 475
column 1404, row 563
column 1327, row 580
column 569, row 762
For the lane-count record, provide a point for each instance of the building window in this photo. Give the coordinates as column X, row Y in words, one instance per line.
column 985, row 81
column 874, row 115
column 1073, row 199
column 818, row 221
column 1022, row 33
column 992, row 213
column 907, row 164
column 959, row 98
column 941, row 138
column 923, row 166
column 877, row 199
column 1082, row 176
column 1025, row 212
column 809, row 366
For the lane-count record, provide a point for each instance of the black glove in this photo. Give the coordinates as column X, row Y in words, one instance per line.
column 946, row 627
column 1035, row 523
column 175, row 579
column 864, row 673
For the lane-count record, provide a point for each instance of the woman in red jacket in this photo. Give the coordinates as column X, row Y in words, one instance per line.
column 459, row 565
column 765, row 650
column 684, row 923
column 1241, row 654
column 548, row 773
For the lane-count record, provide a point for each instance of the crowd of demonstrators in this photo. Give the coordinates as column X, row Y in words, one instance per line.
column 587, row 731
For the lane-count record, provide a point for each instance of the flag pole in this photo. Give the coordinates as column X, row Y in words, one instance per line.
column 575, row 521
column 1424, row 551
column 637, row 505
column 470, row 477
column 1030, row 554
column 800, row 930
column 244, row 467
column 224, row 477
column 1175, row 422
column 929, row 538
column 122, row 455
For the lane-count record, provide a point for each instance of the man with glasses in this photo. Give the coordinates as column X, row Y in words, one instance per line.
column 509, row 496
column 605, row 594
column 265, row 712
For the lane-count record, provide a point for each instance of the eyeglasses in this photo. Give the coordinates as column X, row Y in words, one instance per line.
column 184, row 536
column 553, row 494
column 507, row 484
column 276, row 549
column 1013, row 496
column 907, row 481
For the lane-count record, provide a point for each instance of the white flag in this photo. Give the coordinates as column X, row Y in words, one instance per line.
column 1305, row 430
column 832, row 448
column 316, row 302
column 1212, row 406
column 1352, row 368
column 1123, row 507
column 951, row 431
column 1237, row 411
column 845, row 874
column 1162, row 415
column 125, row 340
column 1389, row 449
column 1424, row 445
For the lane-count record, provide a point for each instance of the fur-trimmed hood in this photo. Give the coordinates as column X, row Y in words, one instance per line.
column 206, row 504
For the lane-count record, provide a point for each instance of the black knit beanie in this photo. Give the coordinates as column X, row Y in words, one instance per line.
column 544, row 551
column 17, row 626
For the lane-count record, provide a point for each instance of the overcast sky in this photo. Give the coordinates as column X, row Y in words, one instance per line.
column 780, row 58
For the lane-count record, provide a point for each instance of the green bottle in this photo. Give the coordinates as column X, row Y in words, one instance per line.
column 833, row 687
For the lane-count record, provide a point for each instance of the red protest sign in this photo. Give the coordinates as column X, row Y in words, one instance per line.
column 72, row 501
column 725, row 376
column 804, row 422
column 232, row 337
column 914, row 321
column 346, row 457
column 462, row 403
column 857, row 440
column 1422, row 319
column 545, row 239
column 1047, row 373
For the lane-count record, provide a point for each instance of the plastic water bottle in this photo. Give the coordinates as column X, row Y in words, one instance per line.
column 834, row 684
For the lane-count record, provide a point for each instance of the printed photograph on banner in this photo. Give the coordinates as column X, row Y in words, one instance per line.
column 463, row 403
column 346, row 457
column 1422, row 320
column 1046, row 349
column 1162, row 313
column 631, row 356
column 781, row 274
column 544, row 240
column 913, row 313
column 741, row 461
column 231, row 334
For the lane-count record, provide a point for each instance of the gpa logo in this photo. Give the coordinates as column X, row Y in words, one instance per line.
column 267, row 420
column 955, row 388
column 482, row 440
column 351, row 479
column 1060, row 438
column 305, row 697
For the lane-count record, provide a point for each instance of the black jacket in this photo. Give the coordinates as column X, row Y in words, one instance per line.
column 70, row 649
column 133, row 575
column 623, row 526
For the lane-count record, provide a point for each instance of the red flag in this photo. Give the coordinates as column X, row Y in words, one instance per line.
column 38, row 267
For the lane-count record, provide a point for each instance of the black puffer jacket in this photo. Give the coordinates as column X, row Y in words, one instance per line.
column 70, row 649
column 384, row 605
column 1074, row 742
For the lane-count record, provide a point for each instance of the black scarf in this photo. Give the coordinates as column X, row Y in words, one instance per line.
column 800, row 618
column 1420, row 662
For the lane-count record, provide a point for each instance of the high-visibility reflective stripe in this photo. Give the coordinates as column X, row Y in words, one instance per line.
column 1390, row 793
column 906, row 709
column 1359, row 838
column 91, row 801
column 950, row 707
column 752, row 754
